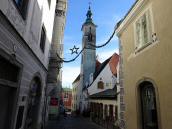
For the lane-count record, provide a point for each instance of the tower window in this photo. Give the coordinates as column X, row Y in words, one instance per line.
column 42, row 40
column 49, row 2
column 22, row 7
column 90, row 37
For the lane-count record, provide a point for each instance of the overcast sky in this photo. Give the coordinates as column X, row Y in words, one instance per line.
column 106, row 13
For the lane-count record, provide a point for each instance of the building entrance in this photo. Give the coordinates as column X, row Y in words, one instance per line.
column 7, row 99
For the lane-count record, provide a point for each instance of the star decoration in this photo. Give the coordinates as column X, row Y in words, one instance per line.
column 74, row 50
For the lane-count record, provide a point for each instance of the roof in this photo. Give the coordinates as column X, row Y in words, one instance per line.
column 107, row 94
column 119, row 23
column 89, row 20
column 77, row 79
column 100, row 68
column 113, row 63
column 97, row 64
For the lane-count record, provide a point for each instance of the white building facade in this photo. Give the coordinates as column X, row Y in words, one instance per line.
column 26, row 28
column 103, row 93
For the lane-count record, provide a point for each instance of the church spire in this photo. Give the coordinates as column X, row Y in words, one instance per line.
column 89, row 15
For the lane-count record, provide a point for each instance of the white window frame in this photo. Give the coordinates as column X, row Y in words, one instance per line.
column 150, row 29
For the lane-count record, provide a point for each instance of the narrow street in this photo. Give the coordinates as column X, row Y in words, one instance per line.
column 70, row 122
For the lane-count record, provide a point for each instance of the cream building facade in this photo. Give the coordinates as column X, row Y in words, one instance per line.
column 76, row 94
column 145, row 65
column 25, row 40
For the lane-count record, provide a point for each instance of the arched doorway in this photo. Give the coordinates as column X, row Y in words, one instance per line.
column 148, row 106
column 34, row 99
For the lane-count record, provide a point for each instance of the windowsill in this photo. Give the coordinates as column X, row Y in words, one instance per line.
column 138, row 50
column 142, row 47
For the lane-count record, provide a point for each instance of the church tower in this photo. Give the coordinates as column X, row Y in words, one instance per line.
column 88, row 59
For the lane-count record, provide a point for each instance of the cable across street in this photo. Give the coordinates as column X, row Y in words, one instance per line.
column 99, row 46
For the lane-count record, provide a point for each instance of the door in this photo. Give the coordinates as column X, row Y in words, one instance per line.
column 148, row 106
column 7, row 99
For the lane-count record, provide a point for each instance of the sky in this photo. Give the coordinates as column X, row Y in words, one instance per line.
column 106, row 13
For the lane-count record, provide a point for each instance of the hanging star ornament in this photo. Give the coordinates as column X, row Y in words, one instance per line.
column 74, row 50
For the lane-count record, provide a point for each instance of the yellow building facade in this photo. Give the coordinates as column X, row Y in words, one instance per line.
column 145, row 38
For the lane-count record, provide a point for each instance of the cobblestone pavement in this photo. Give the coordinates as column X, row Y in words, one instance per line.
column 72, row 123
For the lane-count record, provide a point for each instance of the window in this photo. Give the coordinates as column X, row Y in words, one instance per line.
column 100, row 85
column 22, row 7
column 111, row 110
column 8, row 71
column 42, row 40
column 116, row 112
column 148, row 106
column 105, row 111
column 49, row 2
column 143, row 30
column 66, row 95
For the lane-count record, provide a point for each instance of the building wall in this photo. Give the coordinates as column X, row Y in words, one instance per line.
column 54, row 78
column 153, row 63
column 107, row 102
column 25, row 36
column 67, row 98
column 76, row 95
column 88, row 61
column 30, row 29
column 109, row 82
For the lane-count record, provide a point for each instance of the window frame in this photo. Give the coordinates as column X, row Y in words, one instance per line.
column 42, row 44
column 49, row 3
column 22, row 10
column 150, row 29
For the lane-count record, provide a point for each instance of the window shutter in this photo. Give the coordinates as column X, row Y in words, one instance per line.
column 149, row 26
column 144, row 29
column 138, row 34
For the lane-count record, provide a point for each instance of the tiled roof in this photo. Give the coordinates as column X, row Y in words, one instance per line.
column 113, row 63
column 107, row 94
column 97, row 64
column 100, row 68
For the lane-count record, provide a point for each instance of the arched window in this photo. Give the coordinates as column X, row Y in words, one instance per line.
column 100, row 84
column 34, row 99
column 148, row 106
column 105, row 111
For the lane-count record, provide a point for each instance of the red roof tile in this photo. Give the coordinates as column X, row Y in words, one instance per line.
column 113, row 63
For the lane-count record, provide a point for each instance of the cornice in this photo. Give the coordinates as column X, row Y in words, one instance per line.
column 130, row 16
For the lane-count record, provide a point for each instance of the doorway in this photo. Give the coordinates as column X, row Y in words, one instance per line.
column 148, row 106
column 34, row 99
column 7, row 99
